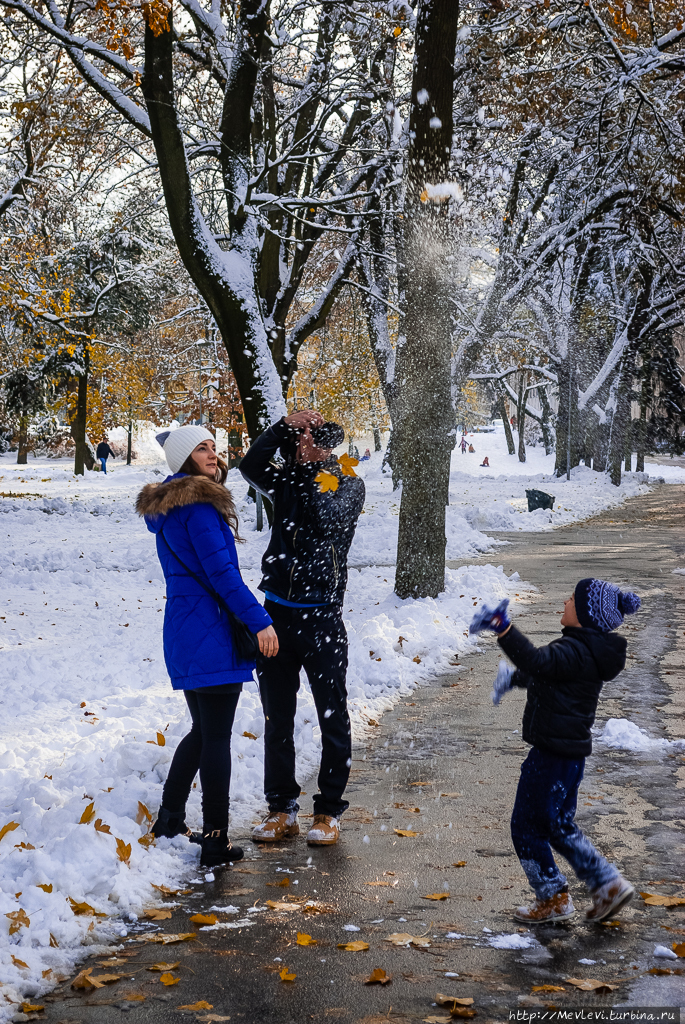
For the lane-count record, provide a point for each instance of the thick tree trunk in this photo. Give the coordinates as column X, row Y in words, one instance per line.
column 424, row 430
column 502, row 406
column 83, row 457
column 568, row 391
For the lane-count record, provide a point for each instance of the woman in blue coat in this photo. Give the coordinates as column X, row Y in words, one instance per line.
column 196, row 525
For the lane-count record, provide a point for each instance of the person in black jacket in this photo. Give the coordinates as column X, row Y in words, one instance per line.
column 316, row 503
column 564, row 681
column 102, row 453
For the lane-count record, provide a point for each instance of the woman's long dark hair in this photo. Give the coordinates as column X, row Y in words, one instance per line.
column 191, row 468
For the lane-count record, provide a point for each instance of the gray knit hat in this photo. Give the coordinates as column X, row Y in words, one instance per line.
column 180, row 443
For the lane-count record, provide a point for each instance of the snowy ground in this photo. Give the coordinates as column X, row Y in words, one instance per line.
column 89, row 719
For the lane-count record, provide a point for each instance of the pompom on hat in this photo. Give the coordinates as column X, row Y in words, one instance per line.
column 601, row 605
column 180, row 443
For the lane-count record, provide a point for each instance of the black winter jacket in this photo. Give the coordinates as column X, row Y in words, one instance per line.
column 564, row 680
column 306, row 560
column 104, row 451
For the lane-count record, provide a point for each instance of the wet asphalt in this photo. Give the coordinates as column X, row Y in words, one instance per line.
column 444, row 764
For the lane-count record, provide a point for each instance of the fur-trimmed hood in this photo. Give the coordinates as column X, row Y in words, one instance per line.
column 159, row 499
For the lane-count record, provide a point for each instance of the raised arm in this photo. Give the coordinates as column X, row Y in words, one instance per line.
column 256, row 465
column 559, row 660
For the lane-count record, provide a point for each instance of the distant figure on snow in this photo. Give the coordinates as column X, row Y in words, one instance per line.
column 485, row 463
column 366, row 456
column 102, row 453
column 564, row 681
column 472, row 449
column 463, row 444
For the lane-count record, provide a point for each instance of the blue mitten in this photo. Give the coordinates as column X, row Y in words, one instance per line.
column 497, row 619
column 502, row 683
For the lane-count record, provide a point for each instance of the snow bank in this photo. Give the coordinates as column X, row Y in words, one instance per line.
column 624, row 734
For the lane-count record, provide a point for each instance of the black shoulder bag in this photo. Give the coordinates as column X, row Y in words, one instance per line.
column 245, row 642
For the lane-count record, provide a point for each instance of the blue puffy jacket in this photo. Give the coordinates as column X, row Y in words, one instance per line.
column 194, row 512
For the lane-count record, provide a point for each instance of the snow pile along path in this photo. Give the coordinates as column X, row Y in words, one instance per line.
column 625, row 735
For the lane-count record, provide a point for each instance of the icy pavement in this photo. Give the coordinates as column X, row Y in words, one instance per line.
column 90, row 721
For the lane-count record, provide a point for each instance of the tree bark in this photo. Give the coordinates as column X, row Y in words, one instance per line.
column 502, row 406
column 521, row 416
column 83, row 457
column 424, row 429
column 23, row 445
column 546, row 420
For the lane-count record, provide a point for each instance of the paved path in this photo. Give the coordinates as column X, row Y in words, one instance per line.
column 444, row 764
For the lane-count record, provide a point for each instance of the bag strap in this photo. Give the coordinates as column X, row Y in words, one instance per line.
column 210, row 590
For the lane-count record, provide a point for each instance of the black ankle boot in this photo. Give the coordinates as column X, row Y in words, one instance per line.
column 217, row 848
column 172, row 823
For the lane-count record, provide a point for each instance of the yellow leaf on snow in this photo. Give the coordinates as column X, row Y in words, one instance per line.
column 204, row 919
column 346, row 463
column 548, row 988
column 84, row 908
column 164, row 967
column 285, row 975
column 157, row 914
column 99, row 826
column 123, row 851
column 19, row 963
column 378, row 977
column 250, row 735
column 407, row 833
column 202, row 1005
column 44, row 886
column 326, row 481
column 356, row 946
column 591, row 985
column 436, row 896
column 87, row 815
column 143, row 814
column 31, row 1007
column 9, row 827
column 405, row 939
column 19, row 919
column 168, row 979
column 147, row 841
column 166, row 890
column 305, row 940
column 396, row 31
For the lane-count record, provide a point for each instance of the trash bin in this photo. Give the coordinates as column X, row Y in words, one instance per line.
column 538, row 499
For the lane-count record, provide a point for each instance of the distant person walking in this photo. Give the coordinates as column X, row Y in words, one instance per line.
column 102, row 453
column 463, row 445
column 317, row 501
column 193, row 517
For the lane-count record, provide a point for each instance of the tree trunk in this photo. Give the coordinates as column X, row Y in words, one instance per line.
column 642, row 423
column 620, row 423
column 568, row 391
column 23, row 446
column 547, row 439
column 424, row 428
column 83, row 457
column 521, row 416
column 129, row 437
column 502, row 406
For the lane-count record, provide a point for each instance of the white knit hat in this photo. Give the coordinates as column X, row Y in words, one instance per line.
column 180, row 443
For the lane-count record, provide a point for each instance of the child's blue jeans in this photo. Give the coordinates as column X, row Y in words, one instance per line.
column 542, row 820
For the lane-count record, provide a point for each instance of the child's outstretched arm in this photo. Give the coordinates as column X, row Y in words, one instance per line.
column 556, row 660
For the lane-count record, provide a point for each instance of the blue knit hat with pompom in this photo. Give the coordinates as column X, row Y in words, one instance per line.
column 601, row 605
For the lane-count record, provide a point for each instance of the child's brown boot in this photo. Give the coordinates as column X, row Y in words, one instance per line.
column 556, row 908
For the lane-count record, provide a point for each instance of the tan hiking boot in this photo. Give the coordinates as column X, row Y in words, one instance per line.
column 325, row 831
column 277, row 825
column 556, row 908
column 609, row 899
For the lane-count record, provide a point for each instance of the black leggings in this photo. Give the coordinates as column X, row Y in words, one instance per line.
column 208, row 747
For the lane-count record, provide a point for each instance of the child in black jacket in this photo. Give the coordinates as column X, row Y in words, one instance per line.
column 564, row 681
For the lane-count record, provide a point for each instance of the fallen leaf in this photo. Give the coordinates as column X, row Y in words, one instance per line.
column 659, row 970
column 9, row 827
column 147, row 840
column 19, row 919
column 459, row 864
column 161, row 742
column 202, row 1005
column 548, row 988
column 47, row 973
column 44, row 886
column 168, row 979
column 166, row 890
column 356, row 946
column 143, row 814
column 167, row 939
column 278, row 905
column 436, row 896
column 407, row 833
column 317, row 907
column 405, row 939
column 592, row 985
column 657, row 900
column 19, row 963
column 678, row 948
column 163, row 966
column 250, row 735
column 100, row 827
column 106, row 979
column 283, row 884
column 87, row 815
column 133, row 997
column 82, row 979
column 443, row 1000
column 204, row 919
column 53, row 942
column 285, row 975
column 378, row 977
column 326, row 481
column 157, row 914
column 31, row 1007
column 305, row 940
column 84, row 908
column 123, row 851
column 416, row 659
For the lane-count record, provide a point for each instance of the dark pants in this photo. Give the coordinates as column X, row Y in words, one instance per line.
column 313, row 639
column 206, row 747
column 542, row 820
